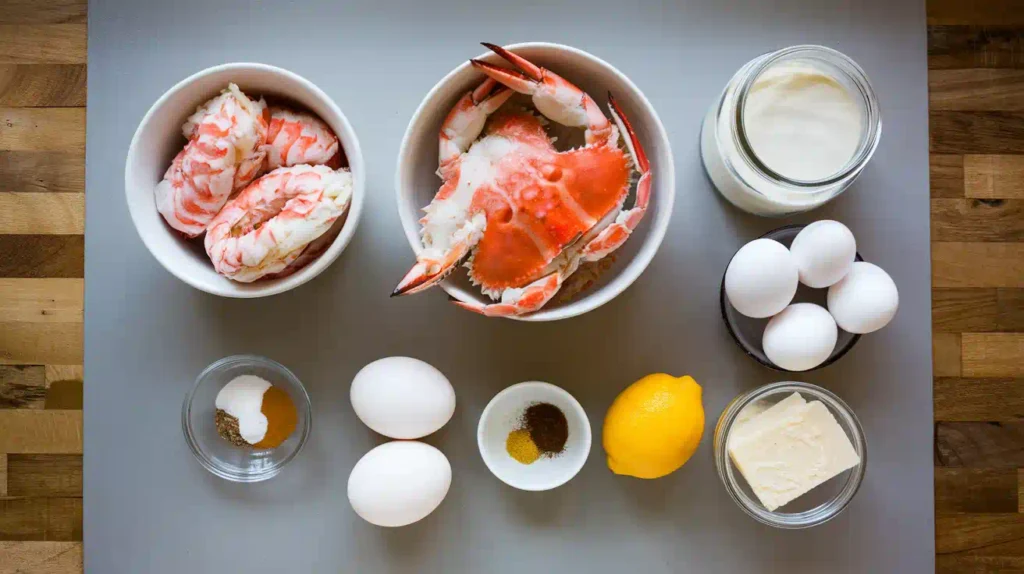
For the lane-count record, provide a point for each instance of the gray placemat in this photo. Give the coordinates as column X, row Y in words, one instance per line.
column 149, row 507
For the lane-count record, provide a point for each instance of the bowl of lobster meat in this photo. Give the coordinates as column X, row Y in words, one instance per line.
column 534, row 182
column 245, row 180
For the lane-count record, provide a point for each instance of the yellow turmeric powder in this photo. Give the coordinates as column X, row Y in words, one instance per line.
column 281, row 417
column 521, row 447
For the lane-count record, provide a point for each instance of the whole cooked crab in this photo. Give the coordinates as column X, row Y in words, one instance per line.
column 525, row 213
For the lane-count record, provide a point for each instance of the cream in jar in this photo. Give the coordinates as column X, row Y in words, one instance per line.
column 792, row 130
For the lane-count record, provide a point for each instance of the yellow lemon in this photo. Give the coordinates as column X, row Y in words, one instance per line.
column 654, row 426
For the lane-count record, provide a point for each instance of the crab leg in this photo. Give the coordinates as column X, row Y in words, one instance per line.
column 613, row 236
column 555, row 97
column 462, row 126
column 519, row 301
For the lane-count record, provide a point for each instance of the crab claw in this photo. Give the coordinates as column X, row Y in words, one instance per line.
column 555, row 97
column 466, row 120
column 525, row 81
column 429, row 271
column 519, row 301
column 433, row 264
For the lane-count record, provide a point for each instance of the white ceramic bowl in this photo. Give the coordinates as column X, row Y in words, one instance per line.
column 158, row 138
column 502, row 416
column 416, row 181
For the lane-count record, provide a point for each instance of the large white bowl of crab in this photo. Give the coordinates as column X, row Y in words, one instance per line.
column 245, row 180
column 534, row 182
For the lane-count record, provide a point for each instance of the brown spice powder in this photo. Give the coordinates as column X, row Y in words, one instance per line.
column 547, row 427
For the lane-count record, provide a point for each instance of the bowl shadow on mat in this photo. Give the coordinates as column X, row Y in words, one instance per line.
column 269, row 493
column 545, row 508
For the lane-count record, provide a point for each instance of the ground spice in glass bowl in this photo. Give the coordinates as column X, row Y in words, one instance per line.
column 254, row 399
column 543, row 431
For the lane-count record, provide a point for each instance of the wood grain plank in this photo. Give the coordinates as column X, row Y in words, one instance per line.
column 57, row 475
column 946, row 175
column 50, row 256
column 980, row 534
column 57, row 519
column 976, row 132
column 976, row 310
column 992, row 354
column 40, row 432
column 968, row 219
column 1020, row 490
column 36, row 387
column 946, row 354
column 65, row 395
column 28, row 171
column 968, row 564
column 49, row 12
column 976, row 444
column 996, row 12
column 64, row 387
column 40, row 343
column 42, row 85
column 951, row 47
column 977, row 265
column 64, row 213
column 43, row 43
column 3, row 476
column 22, row 387
column 41, row 300
column 958, row 490
column 973, row 399
column 976, row 90
column 57, row 373
column 994, row 176
column 42, row 129
column 36, row 557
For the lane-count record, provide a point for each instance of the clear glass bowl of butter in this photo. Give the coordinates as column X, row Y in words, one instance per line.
column 792, row 455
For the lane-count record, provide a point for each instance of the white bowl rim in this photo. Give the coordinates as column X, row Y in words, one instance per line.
column 353, row 154
column 632, row 270
column 544, row 387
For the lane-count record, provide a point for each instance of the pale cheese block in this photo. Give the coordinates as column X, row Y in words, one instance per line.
column 758, row 416
column 785, row 453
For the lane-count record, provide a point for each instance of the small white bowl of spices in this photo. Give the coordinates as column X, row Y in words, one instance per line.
column 246, row 417
column 534, row 436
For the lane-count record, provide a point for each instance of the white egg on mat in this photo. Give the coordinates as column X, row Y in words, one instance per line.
column 402, row 398
column 801, row 337
column 761, row 278
column 823, row 251
column 399, row 483
column 865, row 300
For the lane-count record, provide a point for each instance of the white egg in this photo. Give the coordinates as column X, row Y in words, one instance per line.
column 402, row 398
column 399, row 483
column 824, row 252
column 761, row 278
column 801, row 337
column 865, row 300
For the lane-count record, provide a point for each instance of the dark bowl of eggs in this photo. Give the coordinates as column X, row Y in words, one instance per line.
column 799, row 297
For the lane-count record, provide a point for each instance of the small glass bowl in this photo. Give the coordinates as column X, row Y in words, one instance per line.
column 748, row 332
column 820, row 504
column 217, row 455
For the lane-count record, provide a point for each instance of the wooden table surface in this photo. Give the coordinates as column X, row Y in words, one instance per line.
column 976, row 78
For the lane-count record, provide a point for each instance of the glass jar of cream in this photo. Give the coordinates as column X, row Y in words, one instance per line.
column 792, row 130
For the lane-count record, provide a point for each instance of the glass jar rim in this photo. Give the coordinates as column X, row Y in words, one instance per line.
column 873, row 122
